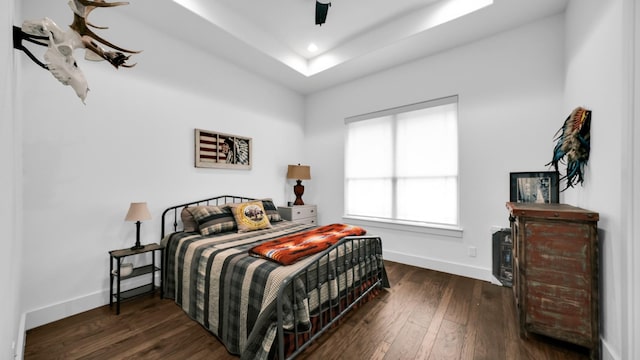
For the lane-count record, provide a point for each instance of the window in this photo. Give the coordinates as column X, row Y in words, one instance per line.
column 402, row 164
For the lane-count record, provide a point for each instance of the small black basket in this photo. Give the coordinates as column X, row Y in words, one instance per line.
column 502, row 256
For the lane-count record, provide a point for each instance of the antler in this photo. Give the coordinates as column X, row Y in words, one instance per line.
column 81, row 10
column 61, row 44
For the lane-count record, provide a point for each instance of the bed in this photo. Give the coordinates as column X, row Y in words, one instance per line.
column 229, row 274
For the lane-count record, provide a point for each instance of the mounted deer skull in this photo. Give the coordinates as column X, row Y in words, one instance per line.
column 61, row 44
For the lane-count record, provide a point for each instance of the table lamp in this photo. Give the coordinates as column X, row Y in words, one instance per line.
column 138, row 212
column 299, row 173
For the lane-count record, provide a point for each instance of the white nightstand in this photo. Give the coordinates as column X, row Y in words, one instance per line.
column 306, row 214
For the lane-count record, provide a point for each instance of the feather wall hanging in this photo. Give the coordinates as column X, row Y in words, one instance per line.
column 573, row 146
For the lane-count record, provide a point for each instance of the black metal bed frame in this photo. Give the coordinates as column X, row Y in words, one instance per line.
column 356, row 252
column 354, row 257
column 217, row 200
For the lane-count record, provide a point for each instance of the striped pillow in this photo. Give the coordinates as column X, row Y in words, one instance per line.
column 213, row 219
column 271, row 210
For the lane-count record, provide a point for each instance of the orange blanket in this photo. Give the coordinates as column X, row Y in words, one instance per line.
column 291, row 248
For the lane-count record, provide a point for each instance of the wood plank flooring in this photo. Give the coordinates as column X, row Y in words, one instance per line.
column 425, row 315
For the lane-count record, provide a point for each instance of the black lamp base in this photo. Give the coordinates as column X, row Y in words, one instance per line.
column 137, row 246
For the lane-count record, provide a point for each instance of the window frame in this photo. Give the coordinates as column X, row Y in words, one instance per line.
column 451, row 230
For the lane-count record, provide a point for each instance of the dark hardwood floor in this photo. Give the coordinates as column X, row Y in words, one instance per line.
column 425, row 315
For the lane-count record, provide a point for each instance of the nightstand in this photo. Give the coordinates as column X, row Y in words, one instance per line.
column 149, row 288
column 305, row 214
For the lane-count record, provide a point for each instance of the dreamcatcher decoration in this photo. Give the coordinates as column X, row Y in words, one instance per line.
column 61, row 43
column 573, row 146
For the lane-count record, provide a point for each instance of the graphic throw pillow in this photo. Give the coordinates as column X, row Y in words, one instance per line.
column 250, row 216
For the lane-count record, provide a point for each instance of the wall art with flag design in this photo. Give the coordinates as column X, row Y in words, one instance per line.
column 218, row 150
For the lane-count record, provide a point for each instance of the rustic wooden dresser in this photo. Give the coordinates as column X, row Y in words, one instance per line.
column 555, row 272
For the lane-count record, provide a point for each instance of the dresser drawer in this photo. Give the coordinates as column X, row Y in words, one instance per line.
column 309, row 220
column 299, row 213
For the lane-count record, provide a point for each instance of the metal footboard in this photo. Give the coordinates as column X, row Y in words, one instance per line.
column 327, row 289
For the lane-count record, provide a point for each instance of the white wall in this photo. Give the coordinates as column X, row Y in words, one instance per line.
column 598, row 76
column 510, row 106
column 133, row 141
column 631, row 348
column 10, row 178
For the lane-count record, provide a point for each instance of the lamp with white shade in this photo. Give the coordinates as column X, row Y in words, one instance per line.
column 299, row 173
column 138, row 211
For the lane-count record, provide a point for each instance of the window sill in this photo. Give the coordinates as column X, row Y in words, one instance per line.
column 433, row 229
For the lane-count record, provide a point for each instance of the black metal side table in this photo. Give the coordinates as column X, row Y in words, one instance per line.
column 150, row 288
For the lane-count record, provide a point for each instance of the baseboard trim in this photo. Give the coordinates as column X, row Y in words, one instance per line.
column 61, row 310
column 607, row 352
column 18, row 350
column 473, row 272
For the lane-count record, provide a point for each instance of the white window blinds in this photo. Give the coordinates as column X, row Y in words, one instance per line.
column 402, row 163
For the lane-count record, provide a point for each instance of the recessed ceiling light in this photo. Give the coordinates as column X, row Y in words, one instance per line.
column 312, row 47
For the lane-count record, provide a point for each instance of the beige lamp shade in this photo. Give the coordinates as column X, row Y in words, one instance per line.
column 138, row 211
column 299, row 172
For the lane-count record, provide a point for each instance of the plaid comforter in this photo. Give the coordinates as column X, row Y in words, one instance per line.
column 231, row 293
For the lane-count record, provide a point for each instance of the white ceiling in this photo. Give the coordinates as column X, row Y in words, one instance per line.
column 360, row 37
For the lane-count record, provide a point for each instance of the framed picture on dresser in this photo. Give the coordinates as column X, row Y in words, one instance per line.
column 535, row 187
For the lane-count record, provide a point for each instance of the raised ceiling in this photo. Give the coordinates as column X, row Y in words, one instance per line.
column 271, row 38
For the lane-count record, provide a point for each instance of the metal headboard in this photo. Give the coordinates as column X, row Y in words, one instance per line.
column 174, row 211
